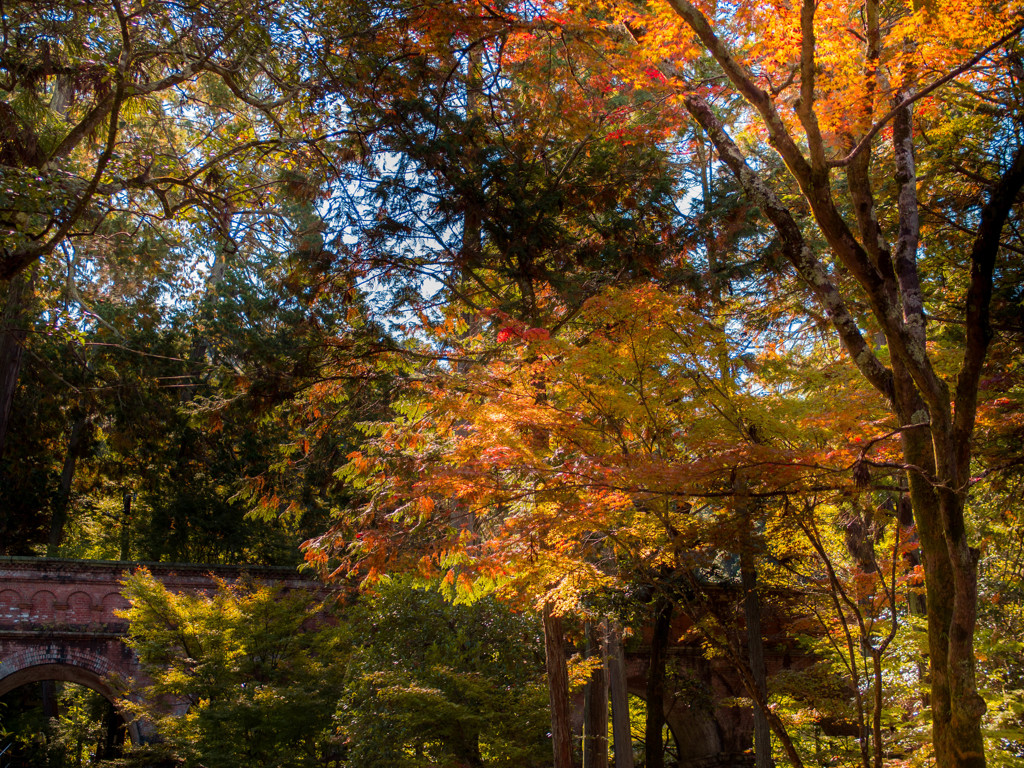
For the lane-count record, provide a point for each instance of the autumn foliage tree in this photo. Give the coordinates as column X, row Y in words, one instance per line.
column 896, row 236
column 495, row 183
column 873, row 258
column 633, row 487
column 619, row 248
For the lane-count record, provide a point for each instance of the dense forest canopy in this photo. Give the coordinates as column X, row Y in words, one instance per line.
column 600, row 308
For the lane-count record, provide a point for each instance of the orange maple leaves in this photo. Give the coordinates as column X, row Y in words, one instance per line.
column 600, row 438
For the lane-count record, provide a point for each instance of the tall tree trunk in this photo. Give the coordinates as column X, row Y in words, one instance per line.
column 876, row 712
column 114, row 732
column 936, row 429
column 466, row 746
column 960, row 740
column 76, row 443
column 916, row 605
column 558, row 687
column 654, row 745
column 48, row 698
column 13, row 328
column 755, row 654
column 615, row 664
column 595, row 719
column 918, row 452
column 951, row 582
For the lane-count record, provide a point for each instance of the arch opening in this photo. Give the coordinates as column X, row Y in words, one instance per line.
column 53, row 716
column 56, row 672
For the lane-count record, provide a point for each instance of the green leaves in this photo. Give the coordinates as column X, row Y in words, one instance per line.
column 433, row 683
column 247, row 675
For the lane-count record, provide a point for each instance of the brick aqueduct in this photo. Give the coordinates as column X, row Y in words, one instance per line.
column 57, row 618
column 57, row 622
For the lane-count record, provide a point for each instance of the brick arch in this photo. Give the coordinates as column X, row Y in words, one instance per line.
column 60, row 662
column 72, row 665
column 58, row 621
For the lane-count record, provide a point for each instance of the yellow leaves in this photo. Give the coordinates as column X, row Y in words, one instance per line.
column 464, row 584
column 537, row 460
column 852, row 90
column 948, row 31
column 581, row 668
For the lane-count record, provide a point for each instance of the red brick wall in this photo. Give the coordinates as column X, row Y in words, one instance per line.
column 57, row 617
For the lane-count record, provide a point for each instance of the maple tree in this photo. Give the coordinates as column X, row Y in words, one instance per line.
column 640, row 428
column 467, row 194
column 483, row 197
column 400, row 676
column 531, row 299
column 644, row 427
column 256, row 687
column 849, row 97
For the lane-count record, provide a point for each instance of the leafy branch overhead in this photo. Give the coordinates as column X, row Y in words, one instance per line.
column 690, row 320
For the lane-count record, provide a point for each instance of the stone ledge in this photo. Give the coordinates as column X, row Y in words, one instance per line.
column 42, row 634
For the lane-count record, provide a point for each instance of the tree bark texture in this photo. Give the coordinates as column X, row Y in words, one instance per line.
column 936, row 424
column 558, row 688
column 755, row 655
column 615, row 664
column 654, row 744
column 13, row 329
column 114, row 733
column 59, row 518
column 595, row 719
